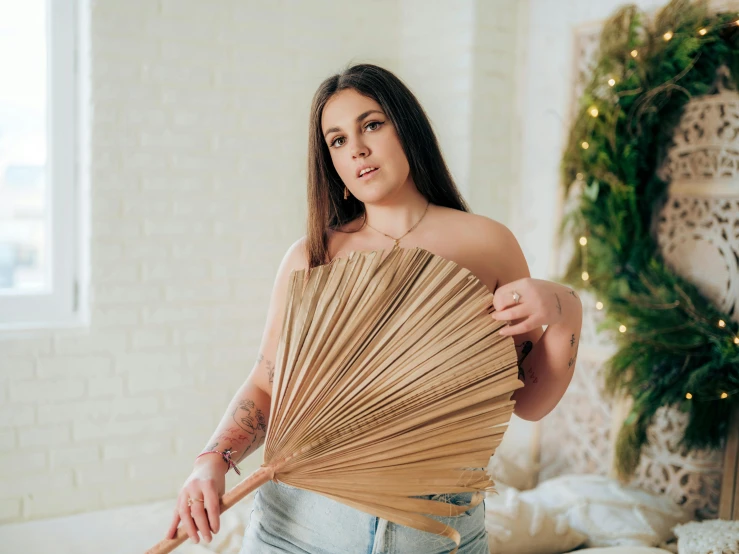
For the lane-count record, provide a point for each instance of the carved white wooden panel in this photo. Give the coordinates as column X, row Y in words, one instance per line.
column 575, row 436
column 698, row 228
column 691, row 478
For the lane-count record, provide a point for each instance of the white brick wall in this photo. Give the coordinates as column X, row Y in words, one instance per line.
column 463, row 60
column 436, row 52
column 197, row 179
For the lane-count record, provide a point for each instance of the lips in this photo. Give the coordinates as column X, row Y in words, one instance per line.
column 366, row 173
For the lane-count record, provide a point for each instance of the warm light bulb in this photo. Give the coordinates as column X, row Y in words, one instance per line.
column 634, row 53
column 622, row 328
column 736, row 340
column 585, row 145
column 724, row 395
column 668, row 35
column 585, row 276
column 688, row 396
column 736, row 22
column 583, row 240
column 594, row 112
column 721, row 323
column 579, row 176
column 611, row 82
column 703, row 32
column 599, row 305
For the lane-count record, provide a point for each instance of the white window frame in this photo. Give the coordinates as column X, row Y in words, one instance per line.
column 60, row 304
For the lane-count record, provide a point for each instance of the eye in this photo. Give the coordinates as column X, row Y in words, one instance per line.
column 371, row 126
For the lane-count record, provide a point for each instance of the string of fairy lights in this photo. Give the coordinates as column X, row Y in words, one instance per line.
column 594, row 112
column 721, row 324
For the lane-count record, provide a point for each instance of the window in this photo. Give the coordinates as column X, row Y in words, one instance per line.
column 38, row 164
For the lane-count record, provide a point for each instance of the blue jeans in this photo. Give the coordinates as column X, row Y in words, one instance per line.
column 288, row 519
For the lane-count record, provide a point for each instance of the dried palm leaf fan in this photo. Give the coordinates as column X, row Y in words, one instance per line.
column 391, row 381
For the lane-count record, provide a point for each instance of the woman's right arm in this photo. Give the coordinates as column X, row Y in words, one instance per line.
column 243, row 427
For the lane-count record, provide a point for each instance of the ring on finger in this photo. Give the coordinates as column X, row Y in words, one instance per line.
column 191, row 501
column 516, row 297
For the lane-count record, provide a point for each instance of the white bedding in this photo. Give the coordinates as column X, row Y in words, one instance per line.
column 132, row 530
column 129, row 530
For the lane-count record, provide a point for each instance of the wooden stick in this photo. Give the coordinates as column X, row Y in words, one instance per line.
column 729, row 504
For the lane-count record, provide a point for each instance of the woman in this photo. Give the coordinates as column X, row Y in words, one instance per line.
column 377, row 180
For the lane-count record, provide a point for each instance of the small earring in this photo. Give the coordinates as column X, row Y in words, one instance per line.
column 346, row 192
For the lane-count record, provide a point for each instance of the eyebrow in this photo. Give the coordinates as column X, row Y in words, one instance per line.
column 360, row 117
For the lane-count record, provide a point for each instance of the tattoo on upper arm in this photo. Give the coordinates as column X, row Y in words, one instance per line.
column 532, row 375
column 270, row 365
column 559, row 304
column 572, row 292
column 573, row 340
column 526, row 348
column 271, row 371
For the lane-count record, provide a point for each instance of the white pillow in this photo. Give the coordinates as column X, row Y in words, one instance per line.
column 506, row 470
column 708, row 537
column 609, row 513
column 516, row 527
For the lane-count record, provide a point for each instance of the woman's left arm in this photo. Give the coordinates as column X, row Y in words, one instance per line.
column 546, row 358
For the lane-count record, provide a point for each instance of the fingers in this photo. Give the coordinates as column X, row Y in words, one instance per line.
column 213, row 508
column 517, row 312
column 528, row 324
column 503, row 297
column 197, row 510
column 186, row 518
column 175, row 523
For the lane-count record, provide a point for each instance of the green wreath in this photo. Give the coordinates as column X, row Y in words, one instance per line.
column 674, row 347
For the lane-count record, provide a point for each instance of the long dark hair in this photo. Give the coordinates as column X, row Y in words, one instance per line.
column 326, row 205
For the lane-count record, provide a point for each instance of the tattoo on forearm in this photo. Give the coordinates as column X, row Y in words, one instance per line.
column 526, row 348
column 249, row 417
column 232, row 436
column 252, row 428
column 572, row 292
column 559, row 305
column 572, row 340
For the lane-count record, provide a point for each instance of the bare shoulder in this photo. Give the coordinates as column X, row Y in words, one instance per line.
column 477, row 235
column 490, row 248
column 296, row 257
column 485, row 229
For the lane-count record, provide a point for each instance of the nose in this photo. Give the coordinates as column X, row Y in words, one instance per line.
column 359, row 149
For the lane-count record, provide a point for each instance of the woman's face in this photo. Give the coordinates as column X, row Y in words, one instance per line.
column 360, row 135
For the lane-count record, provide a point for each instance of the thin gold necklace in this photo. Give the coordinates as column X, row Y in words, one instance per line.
column 404, row 234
